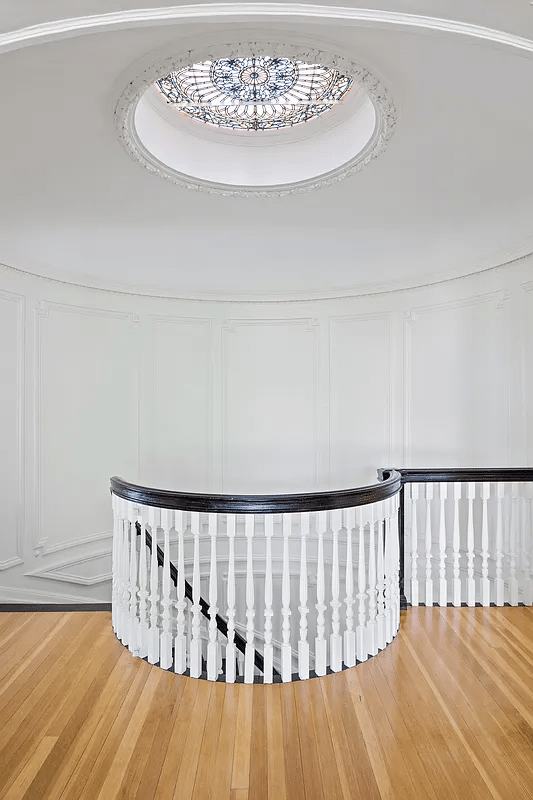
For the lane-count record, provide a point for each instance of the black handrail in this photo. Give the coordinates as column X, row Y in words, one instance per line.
column 258, row 503
column 461, row 474
column 222, row 625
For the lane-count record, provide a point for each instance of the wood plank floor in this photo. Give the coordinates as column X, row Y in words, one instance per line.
column 446, row 711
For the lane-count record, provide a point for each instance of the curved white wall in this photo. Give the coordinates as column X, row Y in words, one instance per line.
column 240, row 397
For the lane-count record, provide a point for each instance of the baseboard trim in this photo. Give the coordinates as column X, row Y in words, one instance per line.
column 9, row 607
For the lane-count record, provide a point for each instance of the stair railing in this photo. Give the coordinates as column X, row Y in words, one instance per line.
column 466, row 536
column 309, row 582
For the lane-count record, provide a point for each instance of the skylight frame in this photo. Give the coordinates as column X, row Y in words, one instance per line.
column 254, row 93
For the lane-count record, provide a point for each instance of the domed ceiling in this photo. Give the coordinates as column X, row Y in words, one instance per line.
column 449, row 195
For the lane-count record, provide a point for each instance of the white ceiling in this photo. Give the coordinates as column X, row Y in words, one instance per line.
column 451, row 195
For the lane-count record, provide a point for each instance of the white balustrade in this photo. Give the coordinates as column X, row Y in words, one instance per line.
column 308, row 592
column 490, row 544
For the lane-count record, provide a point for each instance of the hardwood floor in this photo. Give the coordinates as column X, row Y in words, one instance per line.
column 446, row 711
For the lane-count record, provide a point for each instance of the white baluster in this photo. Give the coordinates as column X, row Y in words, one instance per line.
column 320, row 640
column 165, row 656
column 500, row 493
column 380, row 578
column 196, row 641
column 443, row 586
column 456, row 545
column 372, row 588
column 269, row 648
column 212, row 647
column 125, row 572
column 389, row 571
column 286, row 652
column 115, row 569
column 414, row 544
column 362, row 649
column 335, row 638
column 485, row 583
column 133, row 633
column 180, row 644
column 349, row 633
column 471, row 583
column 303, row 644
column 153, row 639
column 395, row 555
column 514, row 525
column 120, row 568
column 527, row 544
column 231, row 651
column 429, row 580
column 143, row 585
column 249, row 522
column 240, row 663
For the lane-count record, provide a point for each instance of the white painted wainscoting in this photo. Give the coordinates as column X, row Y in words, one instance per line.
column 239, row 397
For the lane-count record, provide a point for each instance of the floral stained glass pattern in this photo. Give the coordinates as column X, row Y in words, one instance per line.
column 255, row 93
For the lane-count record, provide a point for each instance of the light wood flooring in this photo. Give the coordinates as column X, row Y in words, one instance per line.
column 446, row 711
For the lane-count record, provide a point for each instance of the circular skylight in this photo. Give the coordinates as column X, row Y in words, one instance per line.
column 253, row 99
column 254, row 93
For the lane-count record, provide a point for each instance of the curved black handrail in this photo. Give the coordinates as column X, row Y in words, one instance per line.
column 258, row 503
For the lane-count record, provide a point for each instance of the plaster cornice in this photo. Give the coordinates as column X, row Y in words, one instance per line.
column 348, row 294
column 77, row 26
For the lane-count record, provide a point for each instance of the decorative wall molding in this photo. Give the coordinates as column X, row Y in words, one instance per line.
column 500, row 298
column 20, row 465
column 54, row 572
column 10, row 594
column 310, row 325
column 158, row 319
column 387, row 317
column 526, row 362
column 43, row 310
column 233, row 12
column 42, row 549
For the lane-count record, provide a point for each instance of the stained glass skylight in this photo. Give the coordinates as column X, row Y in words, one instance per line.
column 255, row 93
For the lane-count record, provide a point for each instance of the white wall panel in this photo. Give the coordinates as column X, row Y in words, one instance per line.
column 11, row 411
column 527, row 331
column 457, row 383
column 180, row 407
column 86, row 419
column 270, row 405
column 360, row 398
